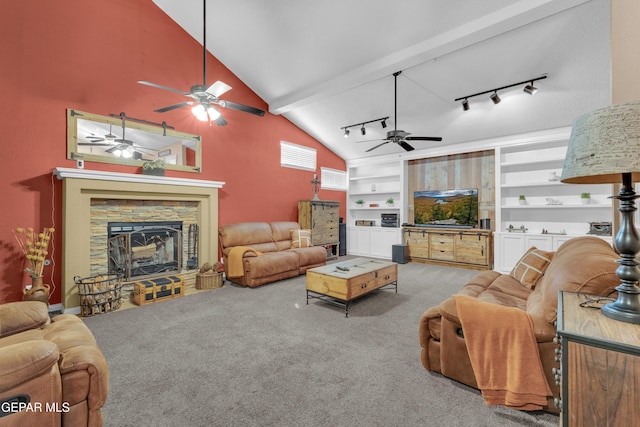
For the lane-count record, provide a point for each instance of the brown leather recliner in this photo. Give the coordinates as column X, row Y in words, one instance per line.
column 52, row 372
column 583, row 264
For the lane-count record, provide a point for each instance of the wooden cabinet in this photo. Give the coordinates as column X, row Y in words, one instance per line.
column 373, row 241
column 322, row 218
column 600, row 365
column 467, row 248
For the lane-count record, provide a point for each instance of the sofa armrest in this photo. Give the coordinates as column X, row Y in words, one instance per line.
column 543, row 330
column 25, row 361
column 16, row 317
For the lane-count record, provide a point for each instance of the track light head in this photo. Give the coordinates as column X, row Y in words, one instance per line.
column 495, row 98
column 383, row 124
column 465, row 104
column 363, row 130
column 346, row 133
column 530, row 89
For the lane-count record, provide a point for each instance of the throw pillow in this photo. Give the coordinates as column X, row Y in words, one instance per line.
column 300, row 238
column 531, row 266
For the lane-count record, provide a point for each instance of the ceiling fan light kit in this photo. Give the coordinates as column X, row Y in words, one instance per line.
column 529, row 88
column 203, row 96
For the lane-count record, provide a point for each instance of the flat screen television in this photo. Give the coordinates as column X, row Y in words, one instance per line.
column 446, row 207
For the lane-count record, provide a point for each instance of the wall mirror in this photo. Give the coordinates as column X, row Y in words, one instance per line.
column 128, row 141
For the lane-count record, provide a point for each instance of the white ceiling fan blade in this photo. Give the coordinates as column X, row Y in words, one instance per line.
column 218, row 88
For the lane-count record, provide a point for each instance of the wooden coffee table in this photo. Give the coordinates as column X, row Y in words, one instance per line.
column 342, row 282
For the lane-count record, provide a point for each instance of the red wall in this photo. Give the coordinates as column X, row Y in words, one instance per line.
column 88, row 55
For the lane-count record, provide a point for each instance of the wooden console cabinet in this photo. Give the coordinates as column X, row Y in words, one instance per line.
column 600, row 366
column 322, row 217
column 458, row 247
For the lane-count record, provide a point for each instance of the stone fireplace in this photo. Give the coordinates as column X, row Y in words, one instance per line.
column 93, row 199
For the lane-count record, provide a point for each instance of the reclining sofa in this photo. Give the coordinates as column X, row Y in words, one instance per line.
column 52, row 372
column 584, row 264
column 268, row 252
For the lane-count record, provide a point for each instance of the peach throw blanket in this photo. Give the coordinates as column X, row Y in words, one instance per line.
column 236, row 254
column 504, row 354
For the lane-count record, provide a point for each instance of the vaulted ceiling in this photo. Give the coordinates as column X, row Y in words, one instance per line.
column 328, row 64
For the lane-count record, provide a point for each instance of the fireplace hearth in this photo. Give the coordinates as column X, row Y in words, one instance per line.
column 139, row 249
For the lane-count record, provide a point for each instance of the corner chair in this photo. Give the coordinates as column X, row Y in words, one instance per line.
column 584, row 264
column 52, row 372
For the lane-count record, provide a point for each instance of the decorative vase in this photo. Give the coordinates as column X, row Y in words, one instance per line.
column 38, row 291
column 585, row 200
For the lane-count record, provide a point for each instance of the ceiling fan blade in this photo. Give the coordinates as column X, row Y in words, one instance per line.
column 379, row 145
column 173, row 107
column 370, row 140
column 170, row 89
column 220, row 121
column 95, row 138
column 218, row 88
column 406, row 146
column 92, row 144
column 423, row 138
column 240, row 107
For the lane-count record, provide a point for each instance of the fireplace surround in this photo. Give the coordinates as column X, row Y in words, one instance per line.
column 80, row 187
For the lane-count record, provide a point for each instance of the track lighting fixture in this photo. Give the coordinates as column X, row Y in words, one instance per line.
column 529, row 88
column 363, row 130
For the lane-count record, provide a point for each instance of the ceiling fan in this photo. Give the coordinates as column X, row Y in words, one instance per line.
column 398, row 136
column 205, row 98
column 120, row 147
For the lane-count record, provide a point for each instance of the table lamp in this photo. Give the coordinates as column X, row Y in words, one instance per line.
column 604, row 148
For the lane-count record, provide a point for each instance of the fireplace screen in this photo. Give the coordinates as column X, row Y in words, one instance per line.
column 144, row 248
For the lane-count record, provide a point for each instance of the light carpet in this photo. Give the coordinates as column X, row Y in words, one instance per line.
column 261, row 356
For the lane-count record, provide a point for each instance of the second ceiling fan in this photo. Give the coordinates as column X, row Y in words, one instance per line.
column 396, row 135
column 205, row 99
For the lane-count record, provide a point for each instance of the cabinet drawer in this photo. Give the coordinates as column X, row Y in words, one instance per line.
column 361, row 285
column 387, row 275
column 441, row 247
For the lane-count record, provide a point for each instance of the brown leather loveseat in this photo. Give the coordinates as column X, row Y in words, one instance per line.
column 52, row 372
column 267, row 252
column 584, row 264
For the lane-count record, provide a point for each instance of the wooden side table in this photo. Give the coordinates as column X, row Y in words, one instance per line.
column 600, row 365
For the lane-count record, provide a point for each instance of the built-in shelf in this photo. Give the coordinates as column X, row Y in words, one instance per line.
column 588, row 206
column 532, row 162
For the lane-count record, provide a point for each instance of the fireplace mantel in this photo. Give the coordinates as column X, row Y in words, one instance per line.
column 62, row 173
column 80, row 186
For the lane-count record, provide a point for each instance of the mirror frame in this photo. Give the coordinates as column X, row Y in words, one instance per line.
column 73, row 152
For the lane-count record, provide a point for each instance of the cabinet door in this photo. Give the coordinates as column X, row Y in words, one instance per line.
column 471, row 249
column 382, row 241
column 418, row 242
column 510, row 249
column 544, row 243
column 359, row 241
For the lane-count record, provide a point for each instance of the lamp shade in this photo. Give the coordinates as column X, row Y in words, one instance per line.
column 603, row 145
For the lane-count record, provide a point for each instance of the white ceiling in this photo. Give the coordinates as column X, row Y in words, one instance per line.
column 328, row 64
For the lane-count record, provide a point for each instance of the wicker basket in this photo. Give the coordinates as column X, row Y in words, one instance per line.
column 99, row 294
column 208, row 280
